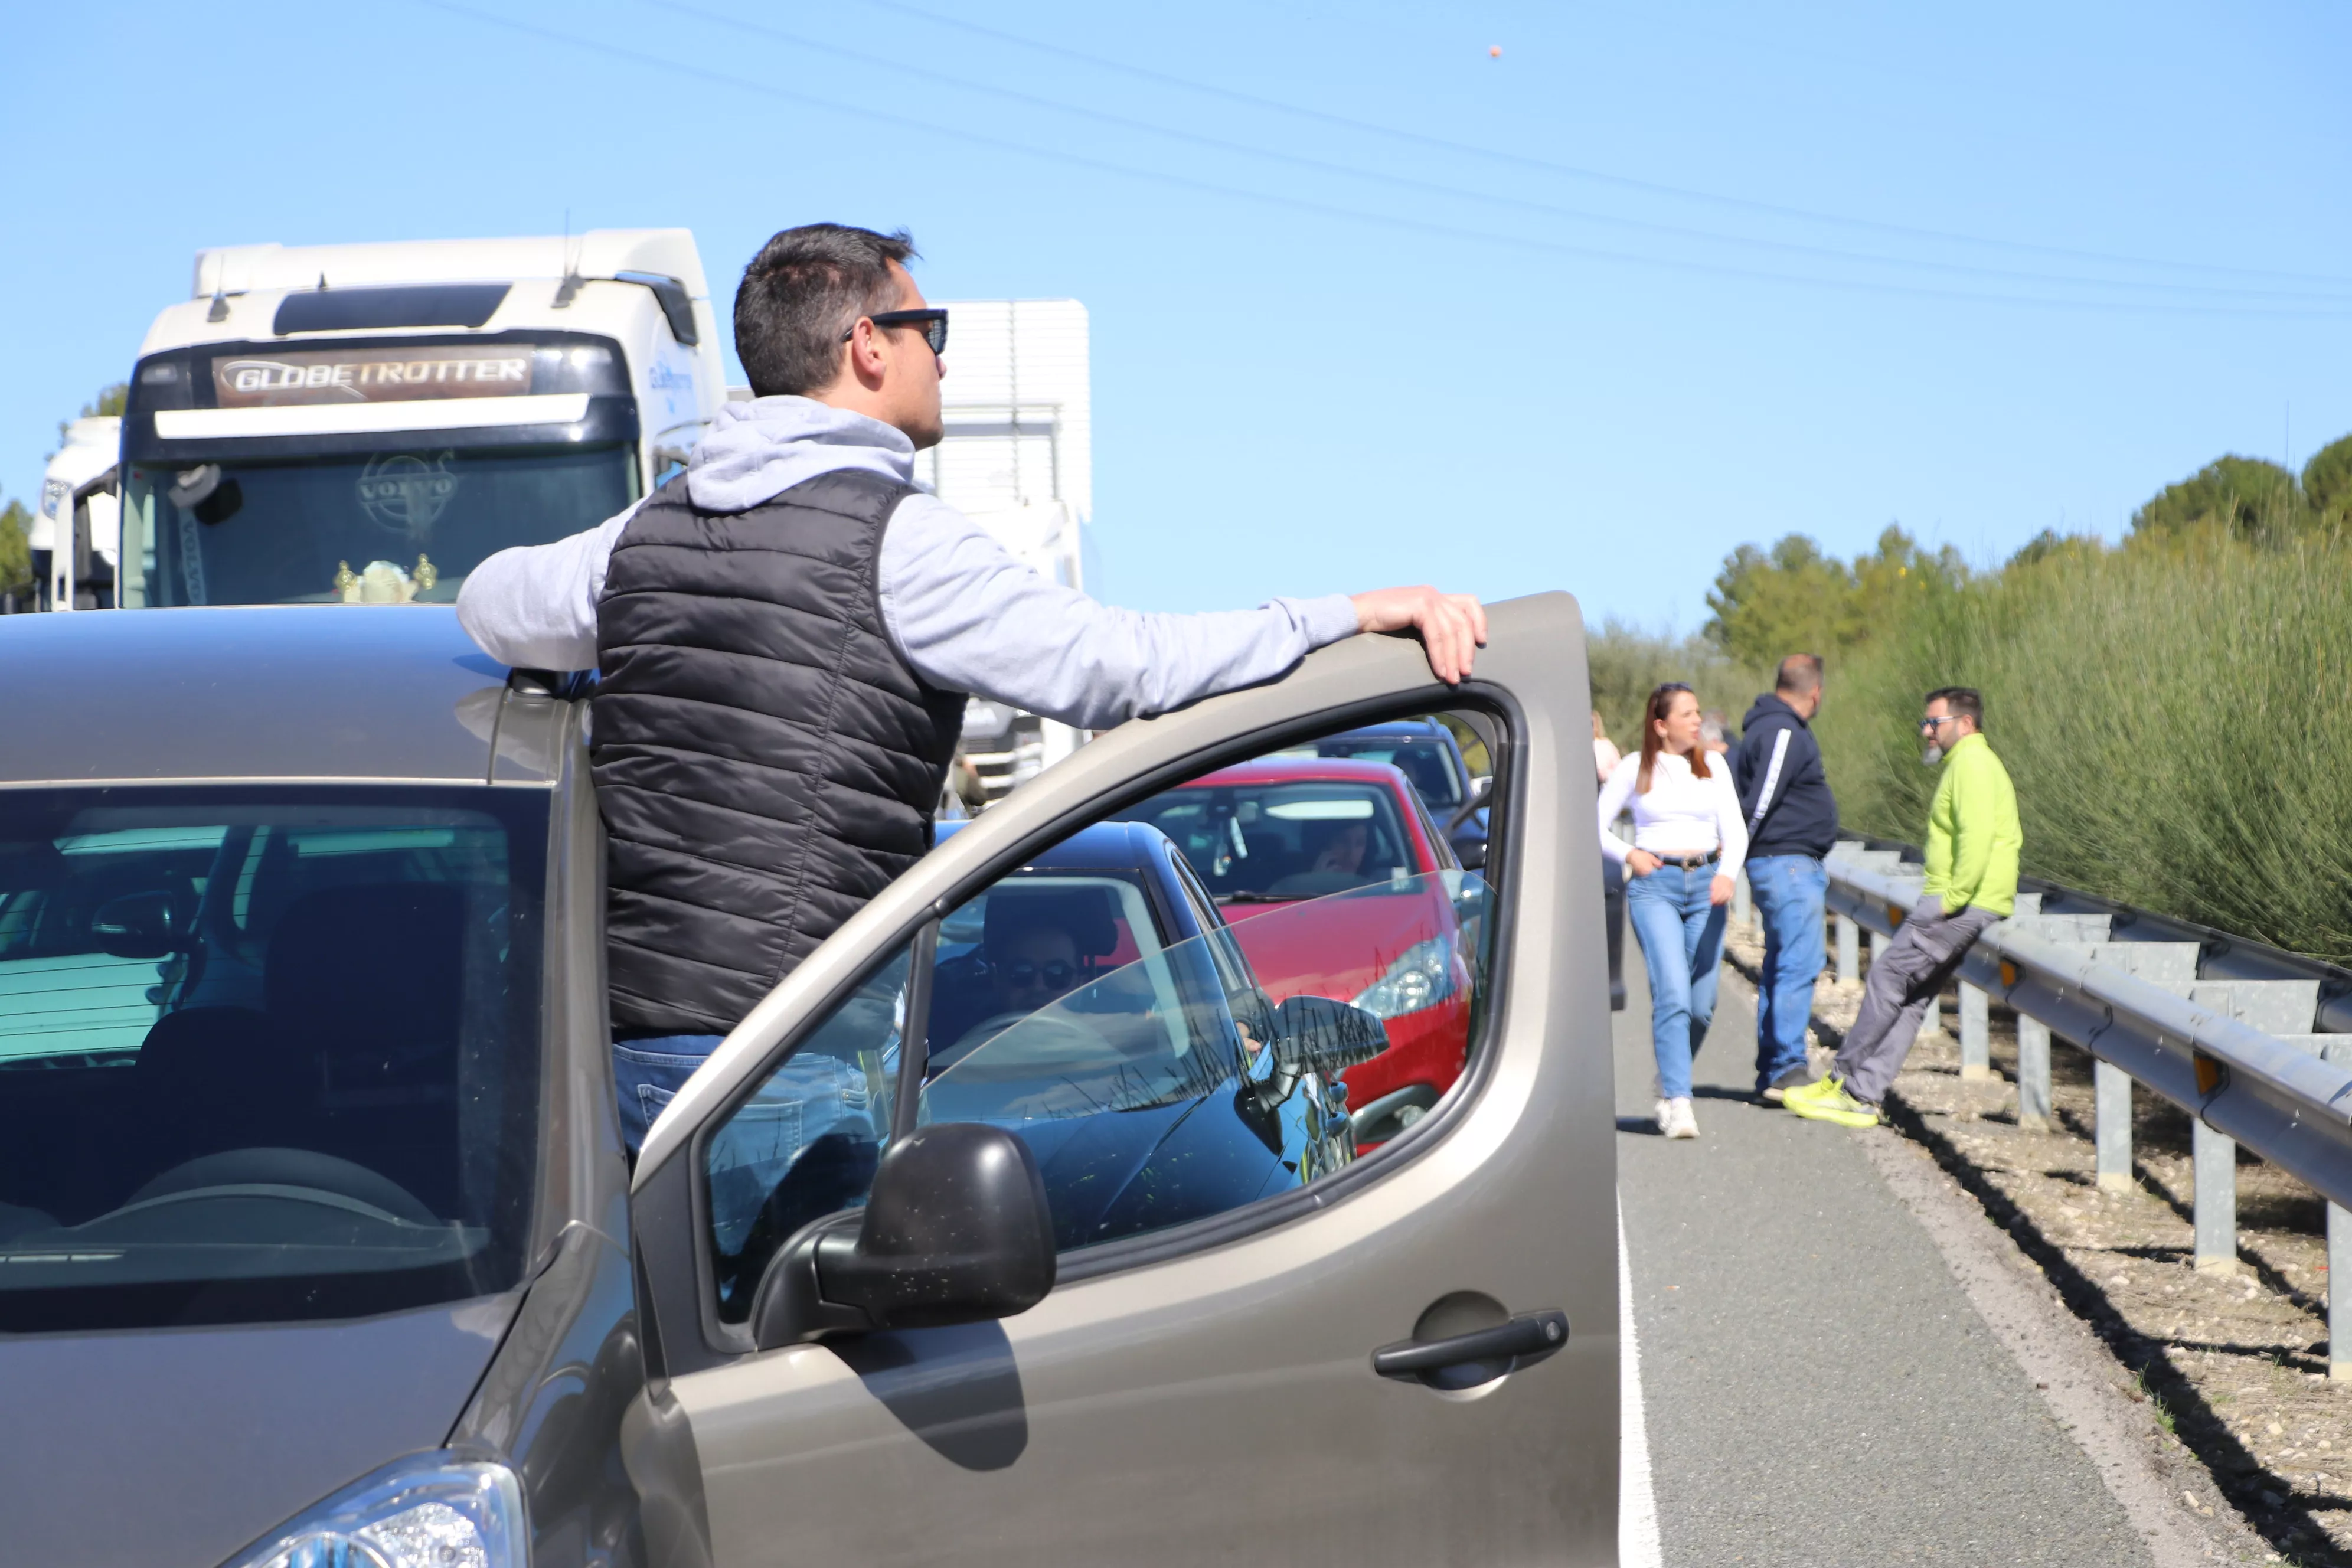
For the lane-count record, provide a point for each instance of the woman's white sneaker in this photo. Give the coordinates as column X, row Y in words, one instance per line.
column 1676, row 1121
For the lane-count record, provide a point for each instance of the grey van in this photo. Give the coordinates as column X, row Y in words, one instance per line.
column 1019, row 1223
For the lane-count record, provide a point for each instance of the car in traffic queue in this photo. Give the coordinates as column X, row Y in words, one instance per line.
column 1392, row 907
column 989, row 1226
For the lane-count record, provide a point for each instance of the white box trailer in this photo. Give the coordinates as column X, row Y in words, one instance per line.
column 77, row 532
column 1018, row 458
column 364, row 423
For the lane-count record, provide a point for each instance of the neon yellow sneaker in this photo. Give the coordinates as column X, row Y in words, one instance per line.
column 1828, row 1101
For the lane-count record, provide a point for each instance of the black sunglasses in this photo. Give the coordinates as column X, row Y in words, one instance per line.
column 933, row 320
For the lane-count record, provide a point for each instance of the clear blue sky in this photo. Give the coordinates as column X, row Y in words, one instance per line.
column 1328, row 357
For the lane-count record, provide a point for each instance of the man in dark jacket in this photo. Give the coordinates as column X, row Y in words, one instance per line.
column 1792, row 821
column 786, row 635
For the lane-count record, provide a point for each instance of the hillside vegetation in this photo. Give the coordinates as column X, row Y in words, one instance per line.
column 2173, row 710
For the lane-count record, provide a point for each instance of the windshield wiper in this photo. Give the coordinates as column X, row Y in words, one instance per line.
column 1256, row 898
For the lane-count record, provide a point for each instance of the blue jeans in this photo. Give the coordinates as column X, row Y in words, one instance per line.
column 809, row 1095
column 1682, row 946
column 1789, row 892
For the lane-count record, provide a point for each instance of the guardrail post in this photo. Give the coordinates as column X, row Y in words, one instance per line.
column 1743, row 908
column 2032, row 1075
column 1932, row 1021
column 2215, row 1160
column 1849, row 952
column 1975, row 1033
column 2339, row 1302
column 2113, row 1087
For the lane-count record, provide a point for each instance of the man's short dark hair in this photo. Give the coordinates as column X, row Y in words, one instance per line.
column 1800, row 675
column 806, row 289
column 1961, row 702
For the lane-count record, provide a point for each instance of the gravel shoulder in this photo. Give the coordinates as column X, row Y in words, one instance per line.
column 2229, row 1371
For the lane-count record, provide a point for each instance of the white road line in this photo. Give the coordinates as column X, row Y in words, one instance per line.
column 1637, row 1506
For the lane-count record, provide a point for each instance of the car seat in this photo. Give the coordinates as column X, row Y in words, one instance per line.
column 212, row 1079
column 367, row 983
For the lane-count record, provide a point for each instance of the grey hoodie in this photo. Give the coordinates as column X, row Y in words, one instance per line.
column 960, row 609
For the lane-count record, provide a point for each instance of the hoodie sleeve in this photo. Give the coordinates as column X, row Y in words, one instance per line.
column 969, row 616
column 1768, row 762
column 534, row 606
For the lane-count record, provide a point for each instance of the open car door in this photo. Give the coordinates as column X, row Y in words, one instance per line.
column 1030, row 1219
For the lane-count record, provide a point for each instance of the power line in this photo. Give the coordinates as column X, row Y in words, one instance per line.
column 1413, row 226
column 1599, row 176
column 1320, row 165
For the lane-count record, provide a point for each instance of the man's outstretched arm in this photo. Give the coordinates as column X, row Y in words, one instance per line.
column 534, row 606
column 971, row 617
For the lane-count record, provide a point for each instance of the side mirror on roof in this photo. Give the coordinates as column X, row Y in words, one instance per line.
column 137, row 925
column 955, row 1230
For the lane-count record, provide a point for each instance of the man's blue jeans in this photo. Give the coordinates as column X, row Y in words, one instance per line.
column 1788, row 891
column 812, row 1094
column 1682, row 946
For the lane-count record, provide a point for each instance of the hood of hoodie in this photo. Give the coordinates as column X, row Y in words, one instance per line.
column 1771, row 706
column 758, row 451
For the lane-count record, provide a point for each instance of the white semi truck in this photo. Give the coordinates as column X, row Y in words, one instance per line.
column 77, row 532
column 364, row 423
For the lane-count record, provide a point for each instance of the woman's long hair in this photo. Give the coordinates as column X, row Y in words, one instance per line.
column 1661, row 701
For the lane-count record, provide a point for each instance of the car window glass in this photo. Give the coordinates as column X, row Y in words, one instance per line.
column 330, row 993
column 1146, row 1110
column 1281, row 839
column 1157, row 1081
column 806, row 1142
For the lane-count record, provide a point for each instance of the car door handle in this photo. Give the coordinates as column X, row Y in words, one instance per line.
column 1522, row 1342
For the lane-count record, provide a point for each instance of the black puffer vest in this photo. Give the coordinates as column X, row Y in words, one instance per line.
column 765, row 761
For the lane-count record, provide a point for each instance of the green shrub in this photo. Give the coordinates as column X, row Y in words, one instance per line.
column 2174, row 714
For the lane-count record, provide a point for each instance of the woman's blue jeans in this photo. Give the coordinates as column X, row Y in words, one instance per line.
column 1682, row 946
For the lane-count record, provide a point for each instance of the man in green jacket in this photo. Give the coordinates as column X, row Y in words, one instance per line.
column 1972, row 846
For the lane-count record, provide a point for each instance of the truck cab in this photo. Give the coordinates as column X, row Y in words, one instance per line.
column 363, row 423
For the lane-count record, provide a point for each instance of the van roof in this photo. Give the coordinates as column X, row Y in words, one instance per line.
column 277, row 692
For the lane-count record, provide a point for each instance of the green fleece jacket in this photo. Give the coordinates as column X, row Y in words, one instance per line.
column 1973, row 838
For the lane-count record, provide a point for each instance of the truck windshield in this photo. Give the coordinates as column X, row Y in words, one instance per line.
column 391, row 527
column 265, row 1053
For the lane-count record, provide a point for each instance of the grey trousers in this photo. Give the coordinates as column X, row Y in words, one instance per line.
column 1903, row 979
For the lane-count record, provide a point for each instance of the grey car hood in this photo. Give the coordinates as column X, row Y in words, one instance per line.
column 172, row 1448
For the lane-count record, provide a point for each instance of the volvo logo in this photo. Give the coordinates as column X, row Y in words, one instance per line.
column 405, row 492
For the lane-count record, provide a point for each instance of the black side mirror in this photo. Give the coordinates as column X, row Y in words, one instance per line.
column 137, row 925
column 955, row 1230
column 1314, row 1034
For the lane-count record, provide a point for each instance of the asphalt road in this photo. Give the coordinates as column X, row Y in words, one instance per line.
column 1818, row 1388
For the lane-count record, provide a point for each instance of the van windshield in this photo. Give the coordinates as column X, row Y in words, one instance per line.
column 265, row 1053
column 390, row 527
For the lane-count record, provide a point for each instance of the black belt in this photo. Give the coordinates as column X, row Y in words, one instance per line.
column 1687, row 862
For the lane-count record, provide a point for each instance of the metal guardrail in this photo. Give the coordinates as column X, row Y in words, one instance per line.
column 2253, row 1043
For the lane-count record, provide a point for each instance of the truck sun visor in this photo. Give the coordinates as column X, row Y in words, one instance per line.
column 410, row 305
column 409, row 373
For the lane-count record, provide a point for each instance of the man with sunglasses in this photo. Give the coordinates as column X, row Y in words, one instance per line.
column 1973, row 842
column 786, row 636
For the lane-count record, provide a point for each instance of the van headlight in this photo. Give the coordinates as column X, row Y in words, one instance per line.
column 1423, row 974
column 436, row 1509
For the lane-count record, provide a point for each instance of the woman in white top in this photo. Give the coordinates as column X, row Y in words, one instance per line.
column 1688, row 842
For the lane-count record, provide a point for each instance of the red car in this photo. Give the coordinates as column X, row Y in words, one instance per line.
column 1269, row 834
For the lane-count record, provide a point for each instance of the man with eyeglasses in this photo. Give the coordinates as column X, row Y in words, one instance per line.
column 1973, row 842
column 786, row 635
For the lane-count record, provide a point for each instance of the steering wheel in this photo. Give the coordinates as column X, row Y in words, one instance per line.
column 301, row 1174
